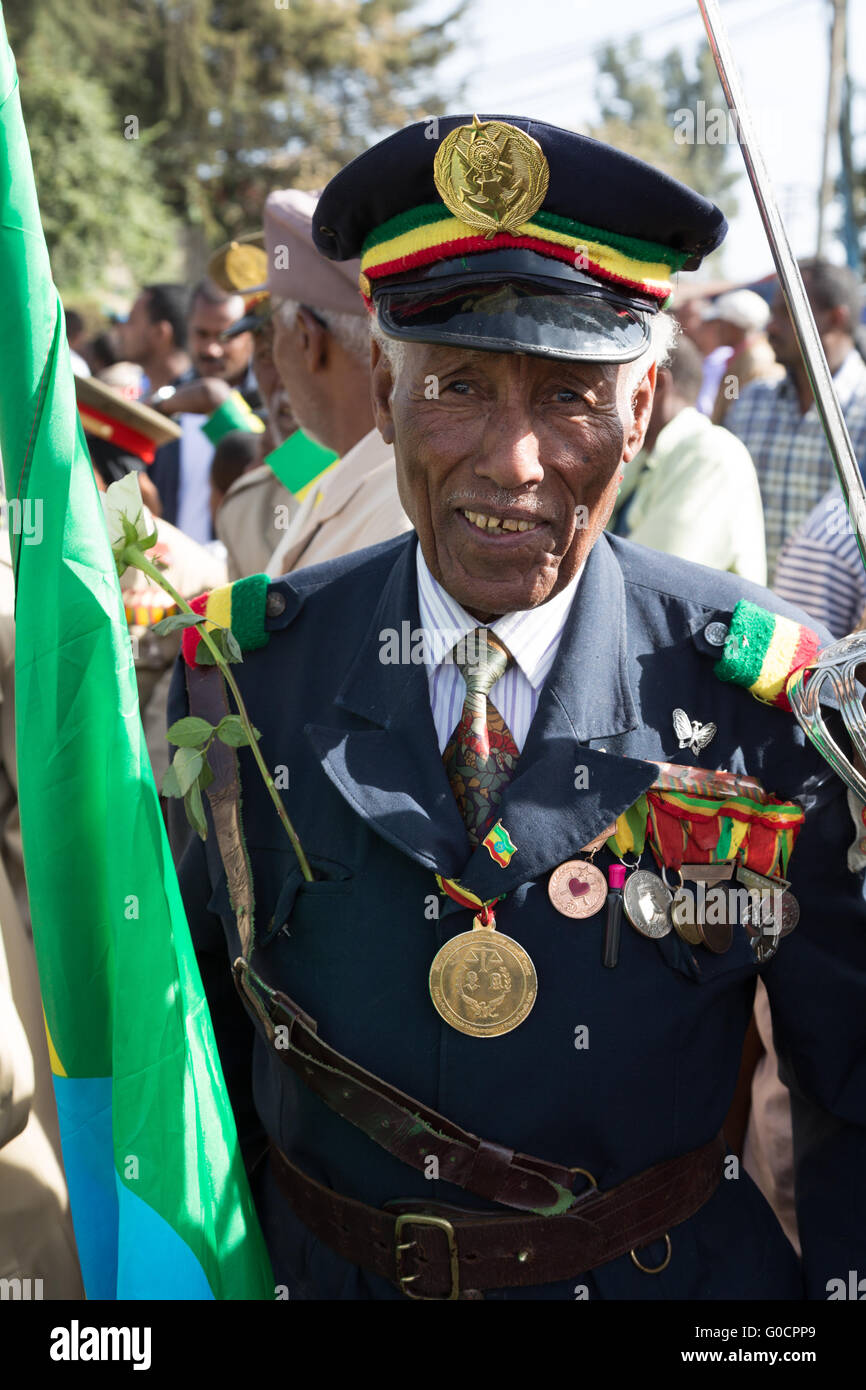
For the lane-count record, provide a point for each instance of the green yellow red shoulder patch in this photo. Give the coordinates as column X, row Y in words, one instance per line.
column 240, row 607
column 763, row 650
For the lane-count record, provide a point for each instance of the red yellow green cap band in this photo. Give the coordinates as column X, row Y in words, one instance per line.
column 429, row 233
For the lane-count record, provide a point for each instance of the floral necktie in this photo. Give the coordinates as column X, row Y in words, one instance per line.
column 481, row 753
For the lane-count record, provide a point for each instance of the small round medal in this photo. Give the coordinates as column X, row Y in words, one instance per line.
column 716, row 936
column 683, row 917
column 647, row 903
column 577, row 888
column 790, row 912
column 482, row 982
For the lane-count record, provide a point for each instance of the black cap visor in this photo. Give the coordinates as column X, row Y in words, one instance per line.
column 517, row 317
column 515, row 302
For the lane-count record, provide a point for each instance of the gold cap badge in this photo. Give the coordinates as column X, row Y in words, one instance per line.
column 491, row 175
column 240, row 266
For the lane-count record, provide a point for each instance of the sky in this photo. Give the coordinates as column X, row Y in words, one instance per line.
column 536, row 58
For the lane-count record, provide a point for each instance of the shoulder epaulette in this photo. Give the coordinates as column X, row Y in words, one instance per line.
column 240, row 606
column 762, row 650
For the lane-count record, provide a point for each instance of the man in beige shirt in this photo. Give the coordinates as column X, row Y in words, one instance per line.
column 692, row 491
column 322, row 352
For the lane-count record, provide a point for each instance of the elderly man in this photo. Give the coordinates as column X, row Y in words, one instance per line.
column 460, row 1073
column 322, row 351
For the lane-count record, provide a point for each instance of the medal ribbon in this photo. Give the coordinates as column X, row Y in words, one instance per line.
column 484, row 910
column 704, row 830
column 693, row 816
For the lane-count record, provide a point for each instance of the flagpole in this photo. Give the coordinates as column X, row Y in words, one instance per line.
column 790, row 279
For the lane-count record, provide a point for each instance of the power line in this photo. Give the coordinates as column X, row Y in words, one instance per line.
column 524, row 94
column 553, row 57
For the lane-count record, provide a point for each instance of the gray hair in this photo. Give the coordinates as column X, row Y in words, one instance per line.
column 350, row 330
column 664, row 330
column 663, row 335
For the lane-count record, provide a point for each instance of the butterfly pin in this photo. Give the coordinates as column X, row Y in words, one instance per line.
column 691, row 732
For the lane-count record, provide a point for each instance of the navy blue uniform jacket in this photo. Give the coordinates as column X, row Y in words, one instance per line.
column 370, row 800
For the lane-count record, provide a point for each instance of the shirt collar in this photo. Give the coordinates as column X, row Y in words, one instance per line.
column 531, row 635
column 849, row 380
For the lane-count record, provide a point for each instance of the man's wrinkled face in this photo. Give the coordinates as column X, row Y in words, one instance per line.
column 508, row 465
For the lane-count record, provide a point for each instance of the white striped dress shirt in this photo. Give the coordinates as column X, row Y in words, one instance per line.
column 532, row 636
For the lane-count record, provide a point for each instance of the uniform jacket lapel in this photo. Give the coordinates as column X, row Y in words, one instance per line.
column 383, row 755
column 381, row 751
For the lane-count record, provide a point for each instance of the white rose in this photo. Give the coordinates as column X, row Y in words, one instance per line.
column 127, row 518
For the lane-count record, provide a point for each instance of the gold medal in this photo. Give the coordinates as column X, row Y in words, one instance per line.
column 491, row 175
column 482, row 982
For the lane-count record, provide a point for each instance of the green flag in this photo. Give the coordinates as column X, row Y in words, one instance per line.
column 159, row 1196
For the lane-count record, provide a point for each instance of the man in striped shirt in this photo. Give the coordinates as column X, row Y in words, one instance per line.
column 820, row 568
column 777, row 420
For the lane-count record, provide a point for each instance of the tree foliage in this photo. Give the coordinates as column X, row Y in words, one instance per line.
column 232, row 98
column 641, row 101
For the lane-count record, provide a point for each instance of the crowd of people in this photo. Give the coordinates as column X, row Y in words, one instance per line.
column 735, row 471
column 244, row 404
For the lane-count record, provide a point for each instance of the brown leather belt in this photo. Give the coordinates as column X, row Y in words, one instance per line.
column 433, row 1251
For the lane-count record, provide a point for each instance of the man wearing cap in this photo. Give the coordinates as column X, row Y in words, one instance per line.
column 741, row 318
column 455, row 1077
column 322, row 352
column 258, row 502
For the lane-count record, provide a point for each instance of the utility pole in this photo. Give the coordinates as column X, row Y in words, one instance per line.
column 847, row 177
column 838, row 30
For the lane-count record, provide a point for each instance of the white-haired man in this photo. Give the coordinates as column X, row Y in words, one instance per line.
column 474, row 1077
column 322, row 353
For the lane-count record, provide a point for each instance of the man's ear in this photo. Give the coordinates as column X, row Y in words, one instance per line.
column 382, row 384
column 313, row 341
column 641, row 405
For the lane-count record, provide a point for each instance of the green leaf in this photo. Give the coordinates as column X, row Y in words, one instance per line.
column 190, row 732
column 175, row 621
column 232, row 646
column 218, row 637
column 206, row 776
column 230, row 730
column 187, row 764
column 170, row 784
column 195, row 810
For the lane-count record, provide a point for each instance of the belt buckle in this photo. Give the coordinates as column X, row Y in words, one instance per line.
column 412, row 1219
